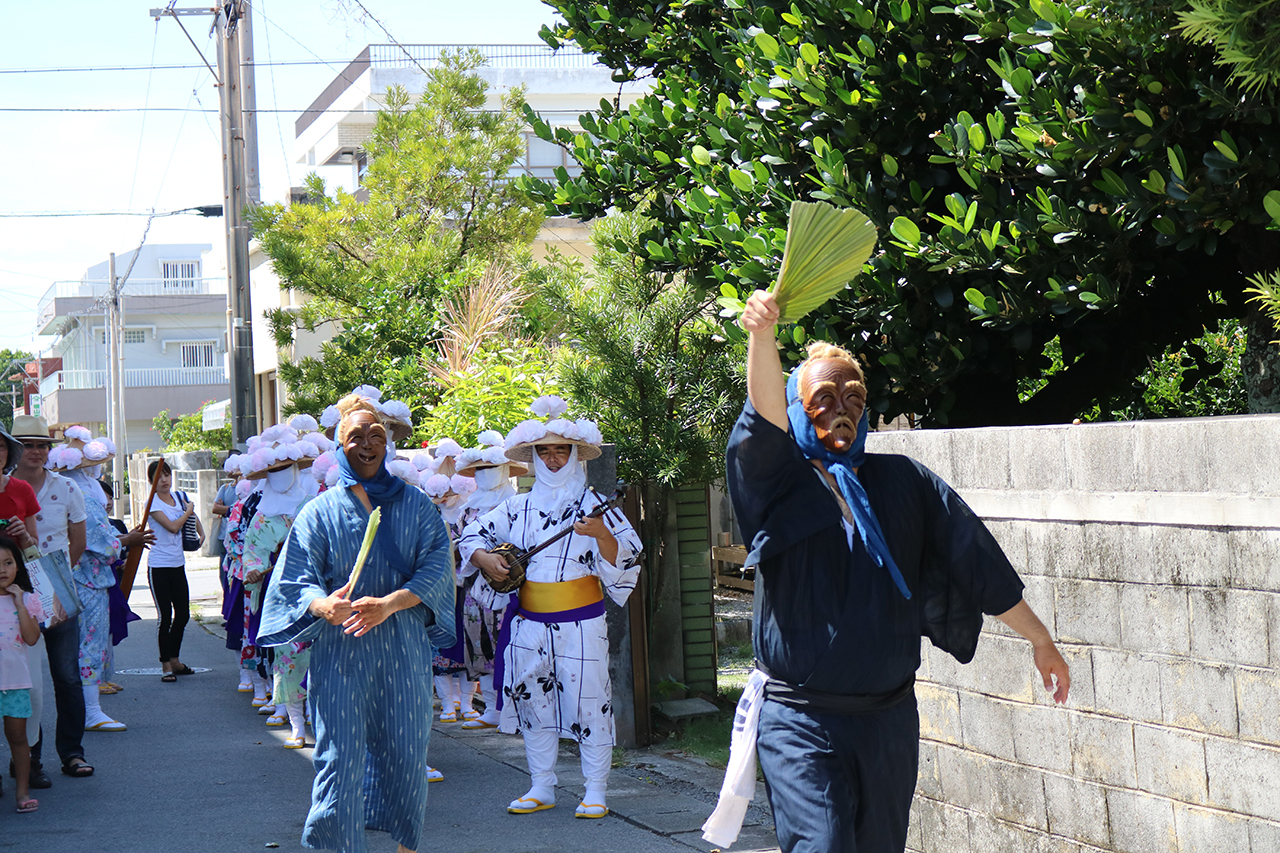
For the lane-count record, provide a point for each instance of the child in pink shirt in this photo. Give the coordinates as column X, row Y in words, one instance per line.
column 20, row 615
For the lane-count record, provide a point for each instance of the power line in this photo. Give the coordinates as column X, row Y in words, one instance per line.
column 203, row 210
column 146, row 101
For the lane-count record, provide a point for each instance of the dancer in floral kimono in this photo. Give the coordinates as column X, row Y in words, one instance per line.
column 555, row 678
column 80, row 460
column 238, row 610
column 370, row 682
column 449, row 492
column 279, row 463
column 482, row 607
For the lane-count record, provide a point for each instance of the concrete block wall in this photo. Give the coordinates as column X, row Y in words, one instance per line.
column 1151, row 550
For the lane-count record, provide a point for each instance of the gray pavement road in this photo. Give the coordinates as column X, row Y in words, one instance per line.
column 199, row 771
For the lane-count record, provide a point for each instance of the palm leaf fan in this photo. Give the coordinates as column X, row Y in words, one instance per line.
column 826, row 248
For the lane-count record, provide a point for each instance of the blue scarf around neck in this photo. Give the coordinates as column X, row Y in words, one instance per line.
column 841, row 465
column 383, row 487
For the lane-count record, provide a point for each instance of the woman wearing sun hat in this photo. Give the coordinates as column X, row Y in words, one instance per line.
column 555, row 666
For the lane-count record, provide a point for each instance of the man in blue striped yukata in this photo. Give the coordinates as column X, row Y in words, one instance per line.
column 370, row 680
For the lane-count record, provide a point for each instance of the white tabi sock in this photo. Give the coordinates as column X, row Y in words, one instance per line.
column 93, row 713
column 297, row 718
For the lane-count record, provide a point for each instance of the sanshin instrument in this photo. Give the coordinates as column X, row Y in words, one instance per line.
column 518, row 558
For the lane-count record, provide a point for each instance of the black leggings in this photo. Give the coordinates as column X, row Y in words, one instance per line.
column 173, row 607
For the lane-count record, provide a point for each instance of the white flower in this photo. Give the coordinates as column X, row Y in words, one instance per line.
column 564, row 427
column 330, row 417
column 422, row 461
column 246, row 464
column 253, row 443
column 370, row 393
column 550, row 405
column 589, row 432
column 331, row 478
column 78, row 432
column 68, row 458
column 232, row 463
column 109, row 444
column 304, row 423
column 397, row 411
column 495, row 456
column 490, row 438
column 462, row 485
column 469, row 457
column 447, row 447
column 524, row 433
column 96, row 451
column 403, row 469
column 436, row 485
column 243, row 488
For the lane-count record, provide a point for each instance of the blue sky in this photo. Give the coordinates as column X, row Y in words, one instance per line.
column 137, row 161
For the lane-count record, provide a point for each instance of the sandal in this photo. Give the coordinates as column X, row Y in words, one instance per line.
column 185, row 670
column 169, row 677
column 106, row 690
column 295, row 742
column 77, row 767
column 28, row 805
column 275, row 721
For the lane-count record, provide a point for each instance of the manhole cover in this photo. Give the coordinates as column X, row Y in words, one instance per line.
column 155, row 670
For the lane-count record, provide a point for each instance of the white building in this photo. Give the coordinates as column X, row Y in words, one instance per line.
column 174, row 348
column 560, row 85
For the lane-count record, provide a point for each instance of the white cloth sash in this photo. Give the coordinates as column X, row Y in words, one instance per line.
column 739, row 786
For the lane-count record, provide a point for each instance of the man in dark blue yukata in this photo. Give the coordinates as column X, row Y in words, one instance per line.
column 857, row 556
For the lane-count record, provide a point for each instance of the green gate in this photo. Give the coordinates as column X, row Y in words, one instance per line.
column 697, row 607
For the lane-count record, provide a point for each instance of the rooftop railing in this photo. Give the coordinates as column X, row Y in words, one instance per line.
column 133, row 287
column 428, row 55
column 144, row 377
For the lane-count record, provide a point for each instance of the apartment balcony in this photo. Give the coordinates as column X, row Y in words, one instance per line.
column 64, row 299
column 80, row 396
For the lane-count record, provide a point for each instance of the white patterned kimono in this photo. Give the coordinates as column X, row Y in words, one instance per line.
column 557, row 674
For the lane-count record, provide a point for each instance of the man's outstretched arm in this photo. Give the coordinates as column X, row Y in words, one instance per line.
column 1048, row 659
column 766, row 384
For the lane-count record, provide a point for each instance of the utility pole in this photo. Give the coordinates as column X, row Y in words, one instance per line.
column 115, row 357
column 235, row 79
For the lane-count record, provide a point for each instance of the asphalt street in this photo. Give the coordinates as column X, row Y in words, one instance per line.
column 198, row 770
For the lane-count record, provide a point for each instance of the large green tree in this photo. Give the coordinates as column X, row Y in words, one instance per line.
column 641, row 352
column 435, row 210
column 1045, row 175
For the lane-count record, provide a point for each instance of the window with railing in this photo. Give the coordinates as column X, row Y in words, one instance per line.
column 198, row 354
column 180, row 275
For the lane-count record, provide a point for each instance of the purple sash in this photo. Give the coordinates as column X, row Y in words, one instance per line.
column 578, row 614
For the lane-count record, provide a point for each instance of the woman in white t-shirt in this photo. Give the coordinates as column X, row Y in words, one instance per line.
column 167, row 570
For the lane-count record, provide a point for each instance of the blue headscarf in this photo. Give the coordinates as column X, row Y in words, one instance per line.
column 841, row 465
column 383, row 487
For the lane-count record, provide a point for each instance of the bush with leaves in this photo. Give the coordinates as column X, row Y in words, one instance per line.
column 493, row 392
column 186, row 432
column 434, row 212
column 1038, row 170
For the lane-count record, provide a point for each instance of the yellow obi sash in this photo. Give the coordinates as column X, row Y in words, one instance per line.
column 560, row 597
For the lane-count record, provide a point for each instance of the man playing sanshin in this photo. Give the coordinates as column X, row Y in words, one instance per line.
column 856, row 556
column 370, row 678
column 554, row 678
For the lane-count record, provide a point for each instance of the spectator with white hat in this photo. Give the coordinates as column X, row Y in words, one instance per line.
column 59, row 528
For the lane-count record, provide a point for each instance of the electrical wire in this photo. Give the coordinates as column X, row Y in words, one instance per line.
column 146, row 101
column 266, row 34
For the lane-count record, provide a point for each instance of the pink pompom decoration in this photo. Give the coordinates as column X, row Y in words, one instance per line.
column 462, row 485
column 490, row 438
column 436, row 485
column 244, row 488
column 96, row 451
column 78, row 432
